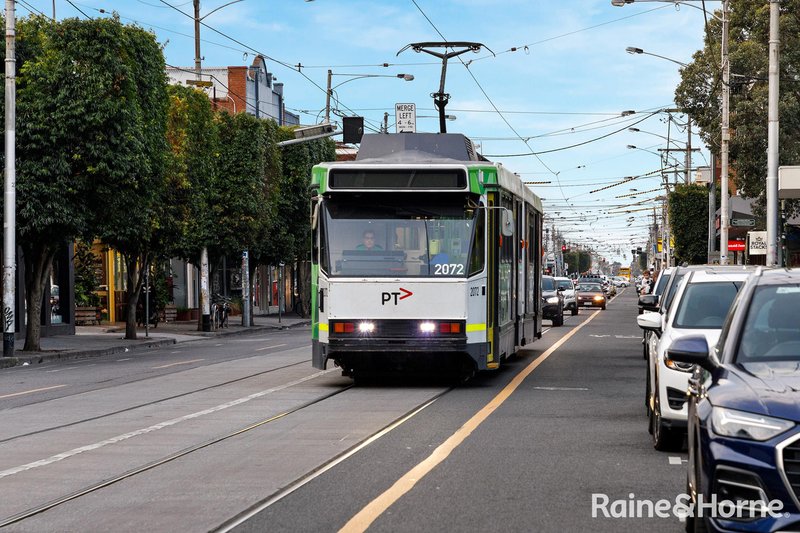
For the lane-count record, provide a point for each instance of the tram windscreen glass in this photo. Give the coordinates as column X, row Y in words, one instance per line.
column 423, row 240
column 397, row 179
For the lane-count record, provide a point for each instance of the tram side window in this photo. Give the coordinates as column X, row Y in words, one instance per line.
column 477, row 257
column 505, row 272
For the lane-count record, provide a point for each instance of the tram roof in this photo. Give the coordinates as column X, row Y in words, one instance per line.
column 432, row 148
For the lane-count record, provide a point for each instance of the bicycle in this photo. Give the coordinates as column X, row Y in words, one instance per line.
column 220, row 309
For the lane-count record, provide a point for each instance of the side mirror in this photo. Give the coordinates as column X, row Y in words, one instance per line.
column 693, row 350
column 650, row 322
column 648, row 302
column 507, row 223
column 314, row 216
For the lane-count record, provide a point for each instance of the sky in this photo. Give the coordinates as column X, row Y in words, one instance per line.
column 553, row 79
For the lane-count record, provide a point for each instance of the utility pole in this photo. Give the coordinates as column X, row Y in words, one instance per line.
column 10, row 189
column 773, row 213
column 726, row 137
column 205, row 304
column 328, row 98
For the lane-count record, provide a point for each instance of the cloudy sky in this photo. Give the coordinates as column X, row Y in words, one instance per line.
column 557, row 84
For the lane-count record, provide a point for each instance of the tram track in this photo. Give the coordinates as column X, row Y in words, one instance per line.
column 153, row 402
column 89, row 489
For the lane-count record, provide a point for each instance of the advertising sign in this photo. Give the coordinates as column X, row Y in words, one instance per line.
column 736, row 246
column 758, row 242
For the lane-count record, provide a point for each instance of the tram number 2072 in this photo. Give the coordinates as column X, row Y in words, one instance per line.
column 448, row 269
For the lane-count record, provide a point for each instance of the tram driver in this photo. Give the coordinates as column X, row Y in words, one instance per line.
column 368, row 241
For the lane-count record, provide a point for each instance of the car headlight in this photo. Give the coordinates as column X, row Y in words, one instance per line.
column 552, row 300
column 599, row 298
column 743, row 425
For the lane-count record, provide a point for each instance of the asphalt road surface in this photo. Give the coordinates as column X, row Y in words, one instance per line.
column 242, row 434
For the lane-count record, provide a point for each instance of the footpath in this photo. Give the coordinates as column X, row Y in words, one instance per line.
column 97, row 341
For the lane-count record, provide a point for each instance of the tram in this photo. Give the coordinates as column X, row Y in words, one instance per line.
column 425, row 255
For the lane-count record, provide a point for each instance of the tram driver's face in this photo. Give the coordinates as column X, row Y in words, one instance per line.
column 369, row 240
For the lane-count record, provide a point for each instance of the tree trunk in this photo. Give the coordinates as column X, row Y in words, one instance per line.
column 304, row 289
column 38, row 262
column 135, row 266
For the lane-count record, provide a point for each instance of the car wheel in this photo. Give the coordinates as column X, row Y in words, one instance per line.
column 664, row 439
column 695, row 524
column 558, row 320
column 575, row 310
column 603, row 308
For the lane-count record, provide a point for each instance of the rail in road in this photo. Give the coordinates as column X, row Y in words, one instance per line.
column 225, row 445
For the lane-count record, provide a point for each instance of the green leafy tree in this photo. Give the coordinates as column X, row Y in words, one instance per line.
column 688, row 211
column 699, row 92
column 89, row 137
column 239, row 204
column 130, row 190
column 293, row 204
column 191, row 170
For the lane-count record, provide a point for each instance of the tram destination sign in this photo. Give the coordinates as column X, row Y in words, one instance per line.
column 405, row 116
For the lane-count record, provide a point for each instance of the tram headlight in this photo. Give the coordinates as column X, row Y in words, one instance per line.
column 366, row 327
column 427, row 327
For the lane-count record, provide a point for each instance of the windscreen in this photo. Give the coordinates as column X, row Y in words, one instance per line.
column 676, row 279
column 705, row 305
column 589, row 287
column 662, row 283
column 565, row 284
column 396, row 238
column 770, row 330
column 548, row 284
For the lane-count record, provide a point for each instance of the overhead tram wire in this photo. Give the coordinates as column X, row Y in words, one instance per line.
column 526, row 46
column 32, row 10
column 254, row 50
column 485, row 94
column 79, row 9
column 536, row 154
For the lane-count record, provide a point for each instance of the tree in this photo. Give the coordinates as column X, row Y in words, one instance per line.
column 688, row 204
column 88, row 139
column 130, row 190
column 698, row 94
column 293, row 204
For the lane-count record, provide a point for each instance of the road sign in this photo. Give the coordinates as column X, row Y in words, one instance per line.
column 405, row 116
column 743, row 222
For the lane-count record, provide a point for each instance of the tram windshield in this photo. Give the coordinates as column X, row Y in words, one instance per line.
column 400, row 240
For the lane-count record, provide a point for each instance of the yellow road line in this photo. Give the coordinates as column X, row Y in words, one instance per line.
column 364, row 518
column 31, row 391
column 179, row 363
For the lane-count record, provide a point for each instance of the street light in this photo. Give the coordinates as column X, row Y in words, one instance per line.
column 329, row 92
column 635, row 50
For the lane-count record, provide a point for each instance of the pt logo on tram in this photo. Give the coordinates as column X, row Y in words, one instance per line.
column 388, row 296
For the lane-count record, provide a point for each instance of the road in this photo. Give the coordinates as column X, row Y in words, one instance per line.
column 242, row 434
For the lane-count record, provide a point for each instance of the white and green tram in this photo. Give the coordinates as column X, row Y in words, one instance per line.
column 425, row 256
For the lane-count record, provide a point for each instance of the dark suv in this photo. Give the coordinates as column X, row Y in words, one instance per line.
column 552, row 301
column 744, row 408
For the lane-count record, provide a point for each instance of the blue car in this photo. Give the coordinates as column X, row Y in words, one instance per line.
column 744, row 412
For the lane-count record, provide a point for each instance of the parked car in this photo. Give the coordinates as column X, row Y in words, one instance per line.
column 700, row 306
column 552, row 301
column 569, row 293
column 591, row 295
column 744, row 407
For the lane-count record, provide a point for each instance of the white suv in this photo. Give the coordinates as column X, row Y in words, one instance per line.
column 567, row 289
column 700, row 306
